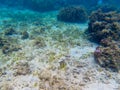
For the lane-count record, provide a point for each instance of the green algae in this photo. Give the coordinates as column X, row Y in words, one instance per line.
column 52, row 56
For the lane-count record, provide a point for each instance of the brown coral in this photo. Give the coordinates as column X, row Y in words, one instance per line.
column 104, row 28
column 72, row 14
column 108, row 54
column 103, row 25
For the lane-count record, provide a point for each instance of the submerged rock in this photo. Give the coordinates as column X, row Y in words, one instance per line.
column 25, row 35
column 108, row 54
column 103, row 25
column 72, row 14
column 104, row 28
column 8, row 49
column 8, row 45
column 10, row 31
column 3, row 42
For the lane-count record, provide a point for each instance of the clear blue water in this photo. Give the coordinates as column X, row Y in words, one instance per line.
column 46, row 5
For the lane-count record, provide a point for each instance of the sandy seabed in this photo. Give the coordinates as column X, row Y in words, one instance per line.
column 55, row 56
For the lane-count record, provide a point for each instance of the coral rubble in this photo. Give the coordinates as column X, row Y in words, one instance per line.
column 72, row 14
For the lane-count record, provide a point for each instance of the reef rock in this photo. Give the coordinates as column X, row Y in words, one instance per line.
column 10, row 31
column 104, row 28
column 25, row 35
column 108, row 54
column 72, row 14
column 103, row 25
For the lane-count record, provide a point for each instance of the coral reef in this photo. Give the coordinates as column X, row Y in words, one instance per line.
column 72, row 14
column 108, row 54
column 57, row 56
column 104, row 7
column 104, row 28
column 103, row 25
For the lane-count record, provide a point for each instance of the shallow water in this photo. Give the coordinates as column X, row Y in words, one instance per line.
column 39, row 52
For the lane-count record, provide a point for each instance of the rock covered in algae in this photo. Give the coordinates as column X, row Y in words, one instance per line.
column 3, row 42
column 8, row 49
column 8, row 45
column 104, row 28
column 108, row 54
column 10, row 31
column 72, row 14
column 25, row 35
column 103, row 25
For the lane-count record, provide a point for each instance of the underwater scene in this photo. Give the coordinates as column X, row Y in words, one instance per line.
column 59, row 44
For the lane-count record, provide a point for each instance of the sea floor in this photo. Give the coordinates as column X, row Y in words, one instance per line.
column 41, row 53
